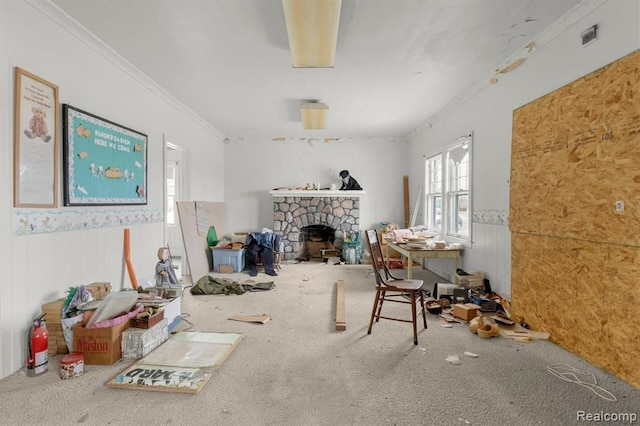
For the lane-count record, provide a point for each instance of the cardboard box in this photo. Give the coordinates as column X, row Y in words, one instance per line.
column 173, row 312
column 383, row 246
column 225, row 269
column 466, row 311
column 149, row 321
column 53, row 318
column 100, row 346
column 474, row 279
column 53, row 309
column 239, row 237
column 98, row 290
column 138, row 343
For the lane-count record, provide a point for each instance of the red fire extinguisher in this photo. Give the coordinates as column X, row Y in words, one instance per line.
column 38, row 346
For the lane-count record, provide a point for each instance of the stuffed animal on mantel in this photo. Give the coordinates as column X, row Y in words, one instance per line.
column 349, row 183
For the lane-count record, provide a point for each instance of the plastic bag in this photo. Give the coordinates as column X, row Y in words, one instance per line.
column 67, row 329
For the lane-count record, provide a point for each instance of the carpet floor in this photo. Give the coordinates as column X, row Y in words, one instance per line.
column 297, row 369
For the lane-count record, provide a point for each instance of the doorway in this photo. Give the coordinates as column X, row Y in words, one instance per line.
column 175, row 190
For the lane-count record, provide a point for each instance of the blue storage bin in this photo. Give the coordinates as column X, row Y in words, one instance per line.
column 222, row 256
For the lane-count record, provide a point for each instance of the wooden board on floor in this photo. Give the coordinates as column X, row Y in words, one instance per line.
column 261, row 319
column 341, row 322
column 183, row 364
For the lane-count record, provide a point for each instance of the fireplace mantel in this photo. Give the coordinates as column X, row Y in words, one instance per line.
column 315, row 193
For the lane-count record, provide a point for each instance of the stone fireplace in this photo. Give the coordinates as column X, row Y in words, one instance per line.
column 294, row 211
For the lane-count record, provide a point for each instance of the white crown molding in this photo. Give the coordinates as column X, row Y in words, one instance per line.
column 72, row 26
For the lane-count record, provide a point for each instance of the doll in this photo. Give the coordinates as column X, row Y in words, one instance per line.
column 165, row 274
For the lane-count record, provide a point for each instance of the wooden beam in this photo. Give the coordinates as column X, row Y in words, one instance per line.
column 341, row 324
column 407, row 209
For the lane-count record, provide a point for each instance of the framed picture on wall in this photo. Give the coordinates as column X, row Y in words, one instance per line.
column 104, row 163
column 35, row 141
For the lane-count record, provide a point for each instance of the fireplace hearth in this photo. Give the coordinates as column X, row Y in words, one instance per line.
column 314, row 239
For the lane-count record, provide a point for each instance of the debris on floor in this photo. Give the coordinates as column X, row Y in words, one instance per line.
column 258, row 319
column 488, row 315
column 453, row 359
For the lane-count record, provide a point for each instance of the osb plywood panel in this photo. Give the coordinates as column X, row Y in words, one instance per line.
column 585, row 295
column 575, row 259
column 575, row 153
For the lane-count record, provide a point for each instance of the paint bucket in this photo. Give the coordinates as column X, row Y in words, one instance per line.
column 71, row 365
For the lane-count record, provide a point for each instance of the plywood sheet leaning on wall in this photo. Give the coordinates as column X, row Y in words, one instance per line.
column 575, row 153
column 195, row 219
column 575, row 258
column 585, row 295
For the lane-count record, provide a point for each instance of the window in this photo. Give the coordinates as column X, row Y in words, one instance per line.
column 433, row 197
column 448, row 208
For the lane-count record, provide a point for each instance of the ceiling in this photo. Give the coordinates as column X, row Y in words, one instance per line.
column 397, row 62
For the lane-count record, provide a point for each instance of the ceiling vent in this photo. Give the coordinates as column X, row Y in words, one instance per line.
column 589, row 35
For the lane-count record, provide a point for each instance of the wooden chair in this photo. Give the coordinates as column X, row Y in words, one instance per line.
column 392, row 289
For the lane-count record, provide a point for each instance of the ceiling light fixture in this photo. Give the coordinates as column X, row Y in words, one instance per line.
column 312, row 27
column 314, row 115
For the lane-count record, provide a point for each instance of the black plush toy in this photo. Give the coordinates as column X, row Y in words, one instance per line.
column 348, row 182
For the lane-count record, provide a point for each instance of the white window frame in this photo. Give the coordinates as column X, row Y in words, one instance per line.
column 448, row 193
column 434, row 184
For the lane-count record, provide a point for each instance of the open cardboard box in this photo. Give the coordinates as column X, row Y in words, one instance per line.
column 100, row 346
column 147, row 322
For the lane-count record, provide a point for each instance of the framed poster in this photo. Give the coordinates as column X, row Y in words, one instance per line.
column 104, row 163
column 35, row 141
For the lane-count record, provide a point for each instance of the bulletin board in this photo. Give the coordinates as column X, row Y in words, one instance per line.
column 104, row 163
column 575, row 216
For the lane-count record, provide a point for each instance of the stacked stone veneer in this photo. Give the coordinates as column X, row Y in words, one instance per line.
column 291, row 214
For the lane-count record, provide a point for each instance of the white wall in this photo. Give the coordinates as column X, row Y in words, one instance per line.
column 41, row 267
column 255, row 166
column 486, row 110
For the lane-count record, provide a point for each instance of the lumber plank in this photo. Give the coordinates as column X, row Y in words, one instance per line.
column 341, row 323
column 407, row 208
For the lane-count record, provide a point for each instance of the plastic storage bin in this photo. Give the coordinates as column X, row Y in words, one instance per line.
column 234, row 257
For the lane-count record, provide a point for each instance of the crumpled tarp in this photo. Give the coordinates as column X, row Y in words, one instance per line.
column 258, row 286
column 212, row 285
